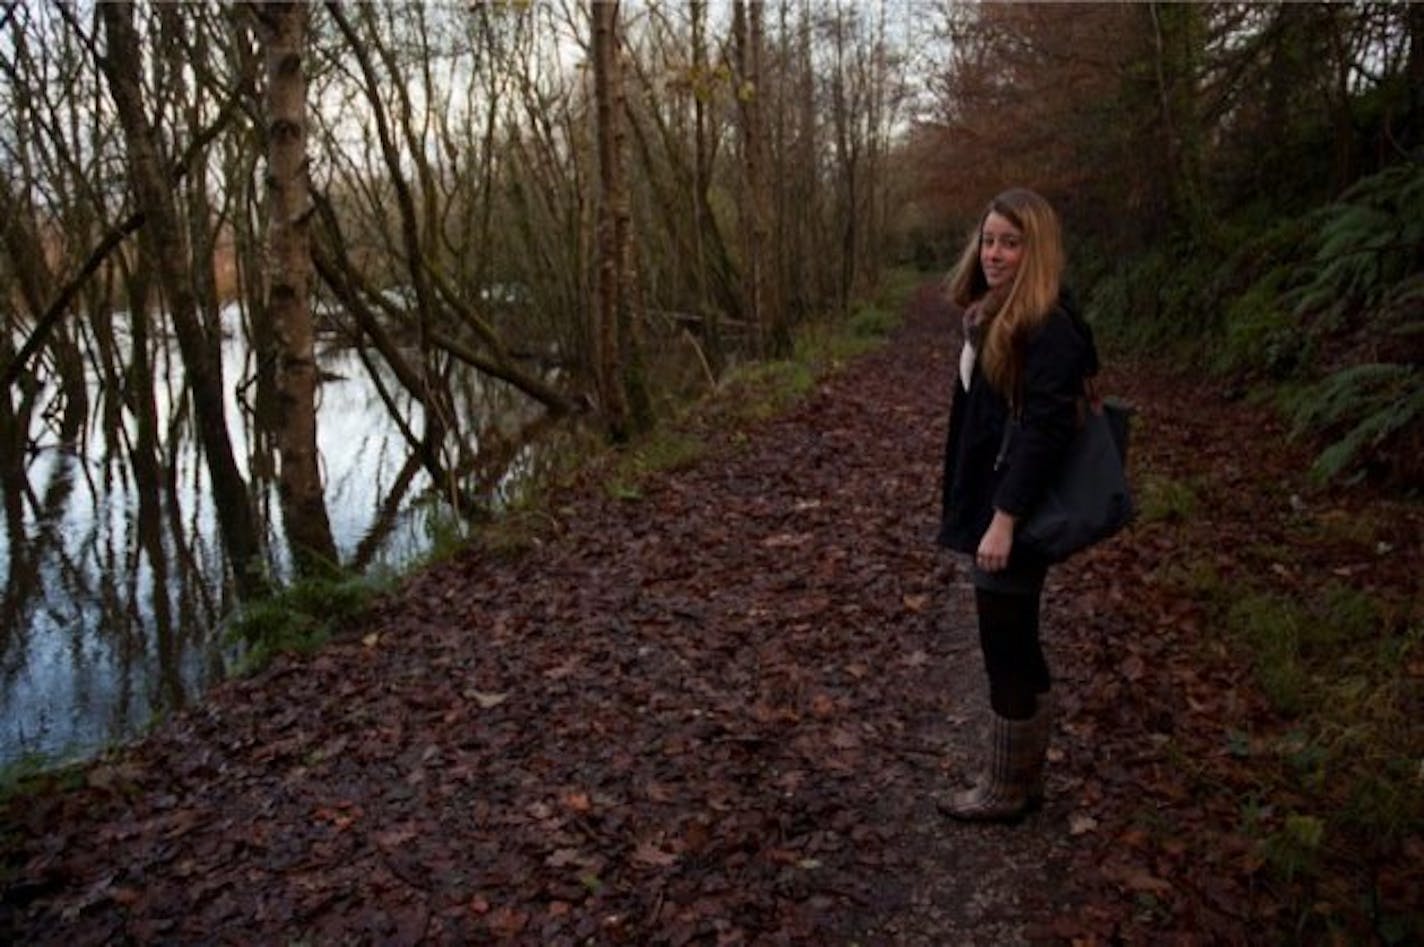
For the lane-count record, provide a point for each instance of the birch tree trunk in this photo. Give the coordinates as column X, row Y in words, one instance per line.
column 283, row 28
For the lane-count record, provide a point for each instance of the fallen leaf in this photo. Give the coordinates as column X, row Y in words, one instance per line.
column 649, row 854
column 657, row 792
column 564, row 857
column 1133, row 667
column 486, row 699
column 508, row 922
column 395, row 838
column 844, row 739
column 125, row 896
column 1137, row 878
column 1142, row 881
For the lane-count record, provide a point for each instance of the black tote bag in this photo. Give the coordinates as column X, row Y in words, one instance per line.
column 1090, row 500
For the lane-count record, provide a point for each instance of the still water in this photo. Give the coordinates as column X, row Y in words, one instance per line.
column 99, row 635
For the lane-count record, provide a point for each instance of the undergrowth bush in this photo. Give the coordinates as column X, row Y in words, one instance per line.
column 298, row 619
column 1325, row 309
column 1162, row 498
column 1157, row 302
column 1374, row 413
column 663, row 449
column 1261, row 337
column 1271, row 628
column 872, row 322
column 1365, row 243
column 1364, row 305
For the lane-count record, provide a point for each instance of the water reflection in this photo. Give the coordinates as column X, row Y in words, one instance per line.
column 113, row 570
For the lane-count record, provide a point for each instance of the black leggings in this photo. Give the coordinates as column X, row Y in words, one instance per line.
column 1013, row 656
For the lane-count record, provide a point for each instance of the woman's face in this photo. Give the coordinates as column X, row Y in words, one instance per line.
column 1001, row 247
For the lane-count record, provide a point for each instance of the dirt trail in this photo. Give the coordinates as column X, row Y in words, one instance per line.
column 714, row 714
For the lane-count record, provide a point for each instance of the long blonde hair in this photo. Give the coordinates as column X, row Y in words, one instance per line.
column 1009, row 316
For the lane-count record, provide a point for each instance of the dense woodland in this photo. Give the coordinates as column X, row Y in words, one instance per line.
column 582, row 216
column 514, row 188
column 1244, row 182
column 443, row 186
column 552, row 195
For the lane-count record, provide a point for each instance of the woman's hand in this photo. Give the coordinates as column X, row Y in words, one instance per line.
column 997, row 543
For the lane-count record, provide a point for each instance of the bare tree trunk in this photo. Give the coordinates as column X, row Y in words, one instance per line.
column 144, row 456
column 617, row 369
column 1414, row 74
column 611, row 400
column 772, row 336
column 780, row 166
column 163, row 240
column 714, row 281
column 35, row 282
column 283, row 28
column 435, row 395
column 14, row 429
column 1175, row 31
column 702, row 221
column 336, row 270
column 1342, row 119
column 808, row 254
column 848, row 160
column 414, row 246
column 873, row 248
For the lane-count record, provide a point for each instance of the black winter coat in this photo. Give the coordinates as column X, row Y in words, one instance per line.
column 1058, row 356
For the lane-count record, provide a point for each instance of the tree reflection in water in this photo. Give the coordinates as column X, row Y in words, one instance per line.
column 115, row 583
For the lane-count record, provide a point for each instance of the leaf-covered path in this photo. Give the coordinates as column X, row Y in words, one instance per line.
column 713, row 714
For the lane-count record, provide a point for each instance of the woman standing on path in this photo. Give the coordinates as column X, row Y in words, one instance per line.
column 1026, row 355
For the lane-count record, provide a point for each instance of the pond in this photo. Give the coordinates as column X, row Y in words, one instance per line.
column 101, row 631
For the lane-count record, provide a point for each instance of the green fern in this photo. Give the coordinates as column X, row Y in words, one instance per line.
column 1368, row 241
column 1403, row 304
column 1261, row 335
column 1373, row 403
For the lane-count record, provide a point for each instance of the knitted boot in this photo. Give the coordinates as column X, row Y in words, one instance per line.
column 1015, row 764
